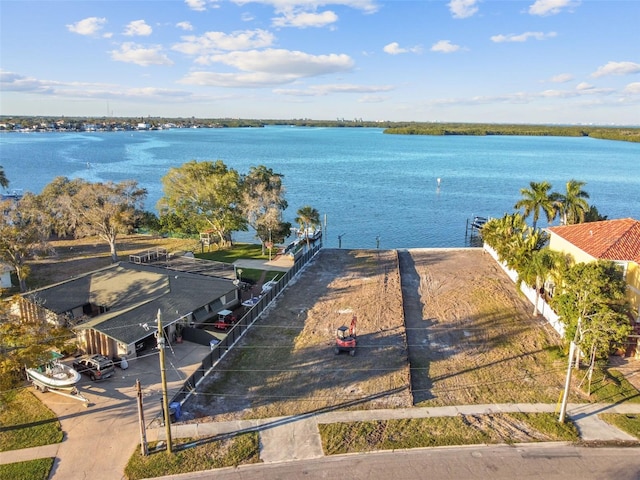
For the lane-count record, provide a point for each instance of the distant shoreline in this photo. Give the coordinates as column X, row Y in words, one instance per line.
column 28, row 124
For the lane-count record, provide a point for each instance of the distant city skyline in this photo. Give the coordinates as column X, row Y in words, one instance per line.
column 533, row 61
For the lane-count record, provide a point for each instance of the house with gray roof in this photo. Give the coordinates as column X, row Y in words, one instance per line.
column 114, row 310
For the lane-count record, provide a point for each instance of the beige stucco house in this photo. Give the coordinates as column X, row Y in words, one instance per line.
column 615, row 240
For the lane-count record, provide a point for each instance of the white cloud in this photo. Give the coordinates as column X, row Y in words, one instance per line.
column 323, row 90
column 14, row 82
column 201, row 5
column 632, row 88
column 522, row 37
column 280, row 61
column 306, row 13
column 137, row 28
column 463, row 8
column 562, row 78
column 214, row 42
column 394, row 48
column 584, row 86
column 88, row 26
column 133, row 53
column 305, row 19
column 280, row 6
column 269, row 67
column 185, row 26
column 551, row 7
column 617, row 68
column 444, row 46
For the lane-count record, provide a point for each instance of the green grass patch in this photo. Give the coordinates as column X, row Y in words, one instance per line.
column 31, row 470
column 239, row 251
column 629, row 423
column 340, row 438
column 26, row 423
column 203, row 455
column 547, row 424
column 610, row 386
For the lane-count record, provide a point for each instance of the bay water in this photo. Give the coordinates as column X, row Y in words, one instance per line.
column 374, row 190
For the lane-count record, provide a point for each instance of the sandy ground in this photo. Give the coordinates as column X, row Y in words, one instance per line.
column 286, row 364
column 435, row 327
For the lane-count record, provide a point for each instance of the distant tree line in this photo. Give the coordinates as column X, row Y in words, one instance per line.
column 627, row 134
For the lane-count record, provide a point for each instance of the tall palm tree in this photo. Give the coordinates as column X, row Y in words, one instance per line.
column 572, row 205
column 308, row 217
column 535, row 199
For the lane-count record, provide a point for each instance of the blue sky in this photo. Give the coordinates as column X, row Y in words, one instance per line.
column 533, row 61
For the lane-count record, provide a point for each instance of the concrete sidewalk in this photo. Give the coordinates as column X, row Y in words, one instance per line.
column 298, row 438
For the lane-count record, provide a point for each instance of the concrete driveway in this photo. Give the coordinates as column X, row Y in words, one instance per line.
column 99, row 439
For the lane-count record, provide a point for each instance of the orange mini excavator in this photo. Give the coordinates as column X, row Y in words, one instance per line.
column 346, row 338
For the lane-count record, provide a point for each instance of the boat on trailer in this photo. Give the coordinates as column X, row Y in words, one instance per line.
column 56, row 377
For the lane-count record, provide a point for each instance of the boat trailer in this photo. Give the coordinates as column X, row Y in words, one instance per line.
column 72, row 392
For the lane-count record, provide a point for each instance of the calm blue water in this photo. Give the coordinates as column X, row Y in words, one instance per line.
column 366, row 183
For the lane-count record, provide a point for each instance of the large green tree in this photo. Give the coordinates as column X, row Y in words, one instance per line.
column 208, row 194
column 535, row 199
column 593, row 306
column 54, row 201
column 105, row 210
column 25, row 343
column 263, row 203
column 572, row 204
column 24, row 231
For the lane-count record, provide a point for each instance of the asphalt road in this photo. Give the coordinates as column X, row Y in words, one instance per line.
column 548, row 461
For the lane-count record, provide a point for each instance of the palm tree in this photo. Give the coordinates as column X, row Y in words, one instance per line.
column 308, row 217
column 535, row 199
column 4, row 181
column 539, row 267
column 572, row 204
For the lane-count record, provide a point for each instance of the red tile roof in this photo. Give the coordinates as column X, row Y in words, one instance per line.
column 607, row 240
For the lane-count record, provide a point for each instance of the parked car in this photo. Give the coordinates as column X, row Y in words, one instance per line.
column 96, row 366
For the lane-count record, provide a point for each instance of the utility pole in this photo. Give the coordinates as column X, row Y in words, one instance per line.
column 143, row 432
column 163, row 376
column 567, row 384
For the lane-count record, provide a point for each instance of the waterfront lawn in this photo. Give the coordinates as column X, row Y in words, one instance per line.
column 205, row 455
column 341, row 438
column 27, row 422
column 239, row 251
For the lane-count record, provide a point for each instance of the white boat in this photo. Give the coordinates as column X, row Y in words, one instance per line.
column 54, row 375
column 312, row 233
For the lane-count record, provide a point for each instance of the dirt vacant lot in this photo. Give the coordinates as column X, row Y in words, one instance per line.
column 286, row 363
column 469, row 336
